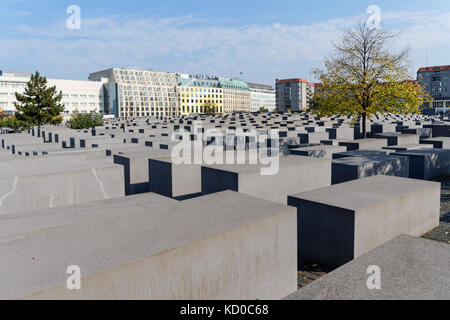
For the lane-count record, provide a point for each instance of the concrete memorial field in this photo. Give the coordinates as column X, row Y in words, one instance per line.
column 226, row 207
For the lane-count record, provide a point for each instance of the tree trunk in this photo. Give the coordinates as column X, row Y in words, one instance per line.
column 364, row 125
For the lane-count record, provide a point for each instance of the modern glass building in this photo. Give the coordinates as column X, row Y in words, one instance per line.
column 139, row 93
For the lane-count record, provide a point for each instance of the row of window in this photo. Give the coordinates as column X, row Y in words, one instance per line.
column 81, row 96
column 200, row 101
column 193, row 89
column 148, row 104
column 199, row 109
column 9, row 84
column 145, row 73
column 149, row 94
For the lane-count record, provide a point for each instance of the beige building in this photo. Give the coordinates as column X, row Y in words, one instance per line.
column 236, row 95
column 140, row 93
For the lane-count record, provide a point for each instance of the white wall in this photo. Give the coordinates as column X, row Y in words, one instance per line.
column 262, row 98
column 84, row 96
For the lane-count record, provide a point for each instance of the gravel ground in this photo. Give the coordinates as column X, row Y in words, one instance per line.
column 442, row 233
column 310, row 272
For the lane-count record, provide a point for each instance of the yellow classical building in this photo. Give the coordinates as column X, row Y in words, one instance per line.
column 199, row 96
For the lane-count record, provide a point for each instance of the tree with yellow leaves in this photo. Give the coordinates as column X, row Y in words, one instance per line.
column 363, row 77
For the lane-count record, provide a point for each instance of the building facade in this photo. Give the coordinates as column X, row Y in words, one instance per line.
column 80, row 96
column 199, row 95
column 436, row 82
column 139, row 93
column 294, row 94
column 236, row 95
column 130, row 92
column 262, row 96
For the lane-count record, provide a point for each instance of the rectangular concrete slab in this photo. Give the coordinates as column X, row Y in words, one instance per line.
column 222, row 246
column 295, row 174
column 352, row 168
column 366, row 144
column 427, row 163
column 326, row 151
column 437, row 143
column 411, row 269
column 339, row 223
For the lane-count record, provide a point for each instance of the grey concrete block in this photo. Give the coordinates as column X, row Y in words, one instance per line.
column 437, row 143
column 339, row 223
column 382, row 128
column 222, row 246
column 360, row 153
column 18, row 225
column 136, row 168
column 341, row 133
column 352, row 168
column 180, row 181
column 27, row 189
column 411, row 269
column 295, row 174
column 424, row 133
column 365, row 144
column 406, row 147
column 313, row 137
column 326, row 151
column 427, row 163
column 395, row 139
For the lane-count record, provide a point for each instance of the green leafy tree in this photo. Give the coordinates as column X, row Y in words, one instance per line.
column 209, row 109
column 263, row 110
column 39, row 104
column 13, row 123
column 363, row 77
column 85, row 120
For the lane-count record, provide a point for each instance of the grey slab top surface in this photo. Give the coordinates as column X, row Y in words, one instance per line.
column 322, row 147
column 437, row 139
column 26, row 223
column 57, row 167
column 423, row 152
column 361, row 193
column 38, row 261
column 363, row 160
column 284, row 162
column 411, row 269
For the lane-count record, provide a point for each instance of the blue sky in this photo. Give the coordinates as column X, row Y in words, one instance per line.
column 262, row 39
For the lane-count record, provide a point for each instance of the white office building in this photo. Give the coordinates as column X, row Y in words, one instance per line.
column 82, row 96
column 262, row 96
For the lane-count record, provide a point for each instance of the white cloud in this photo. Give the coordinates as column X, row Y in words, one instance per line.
column 194, row 44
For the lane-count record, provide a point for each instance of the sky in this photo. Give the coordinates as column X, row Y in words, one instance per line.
column 256, row 40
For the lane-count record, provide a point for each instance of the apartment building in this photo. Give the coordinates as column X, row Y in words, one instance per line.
column 436, row 82
column 139, row 93
column 294, row 94
column 81, row 96
column 262, row 96
column 236, row 95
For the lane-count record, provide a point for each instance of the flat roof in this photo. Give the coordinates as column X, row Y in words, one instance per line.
column 436, row 68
